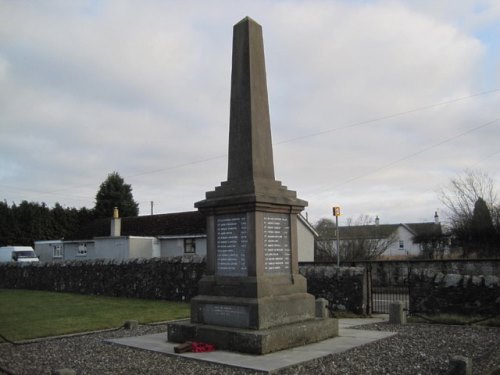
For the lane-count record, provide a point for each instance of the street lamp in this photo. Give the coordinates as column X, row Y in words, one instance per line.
column 336, row 213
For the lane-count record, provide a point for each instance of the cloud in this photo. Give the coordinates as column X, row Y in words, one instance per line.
column 91, row 88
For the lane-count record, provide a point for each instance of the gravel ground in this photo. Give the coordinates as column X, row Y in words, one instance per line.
column 417, row 349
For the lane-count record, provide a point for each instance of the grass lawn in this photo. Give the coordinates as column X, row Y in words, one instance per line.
column 28, row 314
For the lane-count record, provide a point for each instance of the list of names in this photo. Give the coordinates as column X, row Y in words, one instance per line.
column 276, row 243
column 232, row 245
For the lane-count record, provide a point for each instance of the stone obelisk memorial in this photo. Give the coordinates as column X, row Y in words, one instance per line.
column 252, row 298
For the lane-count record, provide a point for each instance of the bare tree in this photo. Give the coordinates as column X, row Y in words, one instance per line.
column 463, row 191
column 363, row 240
column 433, row 243
column 460, row 197
column 325, row 249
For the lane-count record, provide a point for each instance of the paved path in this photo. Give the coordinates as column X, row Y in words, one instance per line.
column 348, row 339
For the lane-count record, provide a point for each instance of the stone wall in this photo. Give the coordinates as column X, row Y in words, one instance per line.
column 345, row 288
column 459, row 289
column 395, row 272
column 172, row 279
column 434, row 292
column 456, row 286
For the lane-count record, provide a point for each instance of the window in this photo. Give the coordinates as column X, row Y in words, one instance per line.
column 82, row 250
column 189, row 245
column 57, row 251
column 401, row 245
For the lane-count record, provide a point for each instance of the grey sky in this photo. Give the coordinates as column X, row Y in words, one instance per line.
column 373, row 103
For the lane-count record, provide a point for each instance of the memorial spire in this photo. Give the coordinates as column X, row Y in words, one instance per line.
column 252, row 297
column 250, row 174
column 250, row 145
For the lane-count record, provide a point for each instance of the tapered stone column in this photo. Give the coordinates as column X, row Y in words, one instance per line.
column 252, row 297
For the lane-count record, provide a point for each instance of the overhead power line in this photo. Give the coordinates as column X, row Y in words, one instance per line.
column 486, row 158
column 409, row 156
column 366, row 122
column 387, row 117
column 204, row 160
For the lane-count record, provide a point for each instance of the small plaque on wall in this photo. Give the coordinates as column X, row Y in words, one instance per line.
column 277, row 252
column 231, row 245
column 226, row 315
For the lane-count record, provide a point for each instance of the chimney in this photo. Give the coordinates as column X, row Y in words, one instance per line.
column 116, row 223
column 436, row 218
column 377, row 221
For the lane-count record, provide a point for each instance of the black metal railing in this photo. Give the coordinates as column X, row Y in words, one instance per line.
column 383, row 296
column 392, row 288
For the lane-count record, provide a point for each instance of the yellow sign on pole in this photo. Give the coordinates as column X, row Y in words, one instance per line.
column 336, row 211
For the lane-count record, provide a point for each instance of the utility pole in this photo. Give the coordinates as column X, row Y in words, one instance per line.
column 152, row 203
column 336, row 213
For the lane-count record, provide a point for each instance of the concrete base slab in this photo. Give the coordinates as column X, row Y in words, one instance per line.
column 348, row 338
column 249, row 341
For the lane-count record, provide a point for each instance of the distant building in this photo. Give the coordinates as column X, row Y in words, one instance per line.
column 148, row 237
column 401, row 240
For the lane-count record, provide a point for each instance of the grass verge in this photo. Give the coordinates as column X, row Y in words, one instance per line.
column 28, row 314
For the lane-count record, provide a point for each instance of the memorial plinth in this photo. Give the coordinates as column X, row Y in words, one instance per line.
column 252, row 298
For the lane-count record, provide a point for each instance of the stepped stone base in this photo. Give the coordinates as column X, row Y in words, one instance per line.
column 255, row 341
column 252, row 313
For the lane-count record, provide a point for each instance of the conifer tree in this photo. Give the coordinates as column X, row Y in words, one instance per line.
column 114, row 192
column 482, row 231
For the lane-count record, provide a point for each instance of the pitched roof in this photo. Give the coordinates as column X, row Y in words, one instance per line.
column 180, row 223
column 425, row 228
column 426, row 231
column 176, row 224
column 367, row 231
column 385, row 230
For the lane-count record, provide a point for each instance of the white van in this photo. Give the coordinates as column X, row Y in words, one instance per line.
column 19, row 254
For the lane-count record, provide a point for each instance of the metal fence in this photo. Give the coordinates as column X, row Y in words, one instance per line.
column 394, row 288
column 382, row 297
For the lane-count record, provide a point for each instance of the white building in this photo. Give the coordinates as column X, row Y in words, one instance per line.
column 148, row 237
column 399, row 240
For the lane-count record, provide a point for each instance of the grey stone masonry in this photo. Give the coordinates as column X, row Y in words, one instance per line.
column 250, row 175
column 130, row 324
column 322, row 308
column 252, row 293
column 434, row 292
column 64, row 371
column 396, row 313
column 460, row 366
column 343, row 287
column 252, row 279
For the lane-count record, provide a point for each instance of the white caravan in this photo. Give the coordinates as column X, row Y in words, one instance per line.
column 19, row 254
